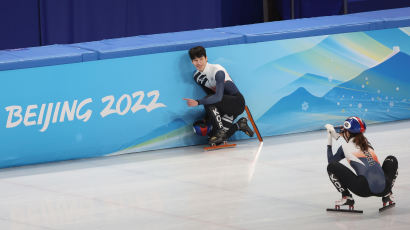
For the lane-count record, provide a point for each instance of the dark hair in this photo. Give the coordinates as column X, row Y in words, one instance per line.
column 361, row 141
column 197, row 52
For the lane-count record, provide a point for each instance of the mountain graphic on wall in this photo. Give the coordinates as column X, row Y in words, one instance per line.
column 400, row 38
column 366, row 95
column 299, row 111
column 377, row 91
column 336, row 57
column 316, row 84
column 336, row 54
column 379, row 80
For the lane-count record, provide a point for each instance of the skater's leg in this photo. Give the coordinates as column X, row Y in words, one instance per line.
column 233, row 106
column 345, row 180
column 242, row 125
column 390, row 168
column 216, row 119
column 223, row 114
column 337, row 173
column 232, row 130
column 214, row 116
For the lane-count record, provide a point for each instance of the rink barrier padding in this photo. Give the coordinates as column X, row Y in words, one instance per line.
column 124, row 95
column 168, row 42
column 158, row 43
column 44, row 56
column 315, row 26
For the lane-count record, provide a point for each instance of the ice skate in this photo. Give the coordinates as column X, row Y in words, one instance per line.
column 243, row 126
column 346, row 200
column 219, row 138
column 388, row 202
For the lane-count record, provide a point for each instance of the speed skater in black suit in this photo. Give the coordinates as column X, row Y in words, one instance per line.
column 223, row 103
column 370, row 178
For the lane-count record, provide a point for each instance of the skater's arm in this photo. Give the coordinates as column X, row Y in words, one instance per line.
column 219, row 91
column 337, row 157
column 331, row 133
column 206, row 90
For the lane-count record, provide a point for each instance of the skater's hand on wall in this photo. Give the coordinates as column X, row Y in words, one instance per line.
column 191, row 102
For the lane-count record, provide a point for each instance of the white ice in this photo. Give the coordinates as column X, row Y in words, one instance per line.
column 281, row 184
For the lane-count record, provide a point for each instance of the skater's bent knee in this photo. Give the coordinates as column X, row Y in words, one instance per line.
column 391, row 161
column 332, row 166
column 391, row 158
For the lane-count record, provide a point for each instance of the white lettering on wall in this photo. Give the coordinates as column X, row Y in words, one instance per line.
column 54, row 112
column 47, row 112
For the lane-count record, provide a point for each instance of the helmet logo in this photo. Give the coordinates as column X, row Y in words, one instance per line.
column 347, row 125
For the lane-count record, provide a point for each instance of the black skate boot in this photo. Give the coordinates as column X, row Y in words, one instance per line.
column 388, row 202
column 346, row 200
column 388, row 199
column 243, row 126
column 219, row 138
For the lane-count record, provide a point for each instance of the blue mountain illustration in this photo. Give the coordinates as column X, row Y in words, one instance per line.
column 378, row 81
column 317, row 85
column 375, row 95
column 294, row 103
column 332, row 58
column 297, row 112
column 401, row 39
column 376, row 91
column 329, row 56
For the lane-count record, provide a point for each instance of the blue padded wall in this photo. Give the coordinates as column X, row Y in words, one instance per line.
column 156, row 43
column 43, row 56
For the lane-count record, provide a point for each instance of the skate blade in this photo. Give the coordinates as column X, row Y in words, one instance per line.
column 344, row 210
column 387, row 207
column 215, row 147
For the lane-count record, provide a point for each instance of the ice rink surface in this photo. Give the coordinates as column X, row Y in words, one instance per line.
column 282, row 184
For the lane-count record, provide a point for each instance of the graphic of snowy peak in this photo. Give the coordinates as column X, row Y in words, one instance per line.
column 299, row 101
column 298, row 112
column 333, row 56
column 370, row 95
column 337, row 58
column 400, row 35
column 379, row 81
column 377, row 91
column 313, row 83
